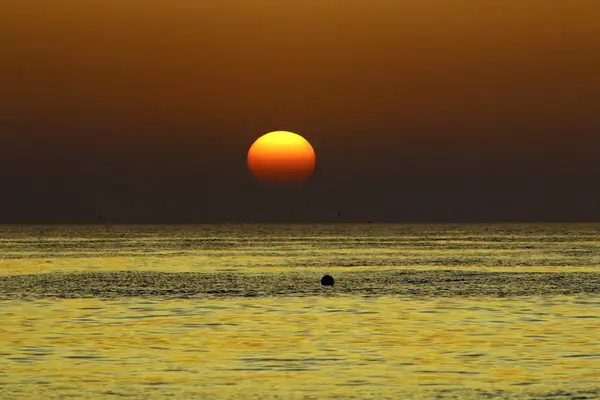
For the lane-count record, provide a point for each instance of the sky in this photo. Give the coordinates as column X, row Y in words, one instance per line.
column 418, row 110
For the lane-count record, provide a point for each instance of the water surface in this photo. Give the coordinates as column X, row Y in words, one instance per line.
column 418, row 311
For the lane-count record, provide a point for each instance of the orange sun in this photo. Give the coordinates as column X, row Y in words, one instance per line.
column 281, row 156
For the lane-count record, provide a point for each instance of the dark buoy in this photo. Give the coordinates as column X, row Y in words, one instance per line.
column 327, row 280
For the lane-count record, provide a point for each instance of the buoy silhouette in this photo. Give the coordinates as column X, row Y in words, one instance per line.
column 327, row 280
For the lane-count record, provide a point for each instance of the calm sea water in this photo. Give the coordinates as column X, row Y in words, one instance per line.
column 343, row 342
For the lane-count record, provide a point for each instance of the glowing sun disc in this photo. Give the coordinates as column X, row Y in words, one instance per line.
column 281, row 156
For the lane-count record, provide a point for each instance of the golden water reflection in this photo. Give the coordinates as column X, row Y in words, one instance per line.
column 256, row 247
column 254, row 264
column 297, row 347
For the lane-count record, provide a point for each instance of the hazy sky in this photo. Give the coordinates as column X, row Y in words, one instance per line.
column 419, row 110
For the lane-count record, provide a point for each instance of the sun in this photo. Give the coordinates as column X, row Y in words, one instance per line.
column 281, row 156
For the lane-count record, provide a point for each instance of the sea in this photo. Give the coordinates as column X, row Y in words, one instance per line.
column 237, row 311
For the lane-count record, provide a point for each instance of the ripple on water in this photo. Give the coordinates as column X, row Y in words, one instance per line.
column 418, row 283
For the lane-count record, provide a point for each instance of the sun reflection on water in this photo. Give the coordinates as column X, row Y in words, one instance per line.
column 352, row 347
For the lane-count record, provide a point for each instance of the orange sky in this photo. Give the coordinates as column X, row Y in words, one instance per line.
column 357, row 78
column 302, row 60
